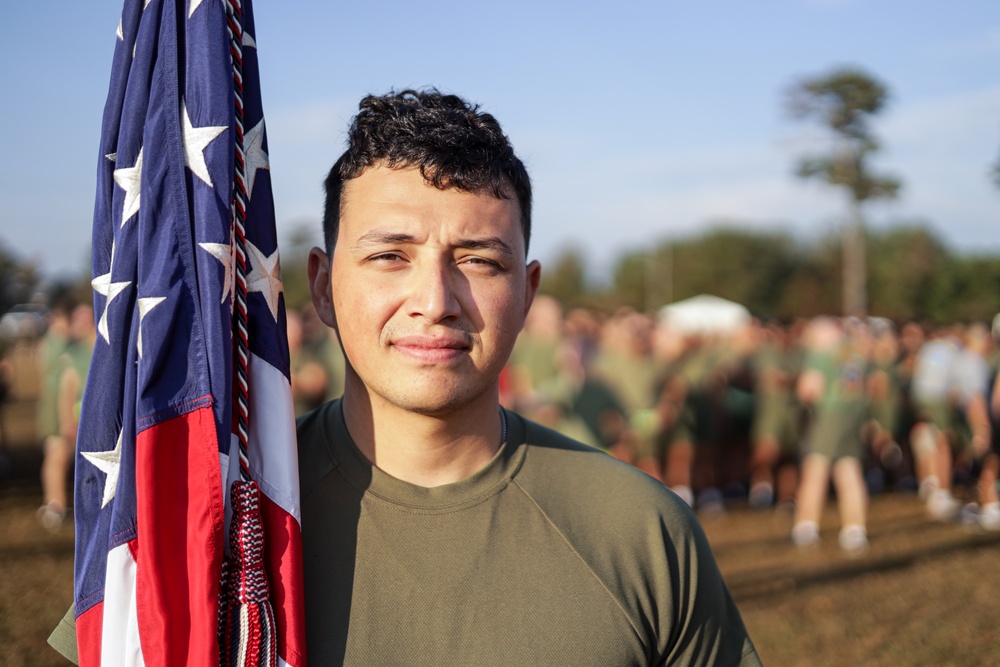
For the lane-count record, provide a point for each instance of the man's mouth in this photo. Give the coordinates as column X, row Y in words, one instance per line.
column 432, row 349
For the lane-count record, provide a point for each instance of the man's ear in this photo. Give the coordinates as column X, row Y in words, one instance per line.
column 320, row 288
column 534, row 278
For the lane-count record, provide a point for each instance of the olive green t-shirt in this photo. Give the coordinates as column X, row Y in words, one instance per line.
column 553, row 554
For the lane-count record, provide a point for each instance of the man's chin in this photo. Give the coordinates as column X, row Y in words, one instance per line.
column 435, row 400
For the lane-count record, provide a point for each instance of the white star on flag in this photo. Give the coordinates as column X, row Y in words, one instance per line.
column 249, row 41
column 265, row 277
column 118, row 31
column 103, row 285
column 196, row 140
column 194, row 5
column 109, row 463
column 224, row 253
column 130, row 180
column 254, row 155
column 146, row 304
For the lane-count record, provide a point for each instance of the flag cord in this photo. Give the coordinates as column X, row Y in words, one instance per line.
column 238, row 232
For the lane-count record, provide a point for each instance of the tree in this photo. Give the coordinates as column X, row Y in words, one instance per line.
column 843, row 102
column 907, row 260
column 748, row 266
column 567, row 280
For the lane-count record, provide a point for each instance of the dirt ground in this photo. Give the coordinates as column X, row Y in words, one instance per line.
column 924, row 594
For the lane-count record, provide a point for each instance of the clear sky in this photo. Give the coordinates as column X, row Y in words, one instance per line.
column 638, row 120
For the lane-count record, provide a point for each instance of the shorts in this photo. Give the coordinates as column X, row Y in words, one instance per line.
column 836, row 433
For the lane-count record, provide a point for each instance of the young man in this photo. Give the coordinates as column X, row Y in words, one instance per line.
column 439, row 528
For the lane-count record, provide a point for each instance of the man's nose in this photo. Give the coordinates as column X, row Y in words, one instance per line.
column 434, row 291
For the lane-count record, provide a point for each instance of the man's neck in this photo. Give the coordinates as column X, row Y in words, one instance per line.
column 424, row 450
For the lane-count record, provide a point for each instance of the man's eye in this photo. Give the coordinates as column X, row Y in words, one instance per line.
column 386, row 257
column 482, row 262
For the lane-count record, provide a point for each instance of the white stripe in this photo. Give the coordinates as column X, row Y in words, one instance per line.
column 120, row 628
column 273, row 450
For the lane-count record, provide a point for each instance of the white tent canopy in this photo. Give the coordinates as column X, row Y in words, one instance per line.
column 705, row 314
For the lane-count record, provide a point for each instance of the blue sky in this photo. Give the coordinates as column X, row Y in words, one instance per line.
column 638, row 120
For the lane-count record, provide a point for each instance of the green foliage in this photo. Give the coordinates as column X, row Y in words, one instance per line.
column 745, row 266
column 566, row 280
column 905, row 270
column 844, row 101
column 914, row 276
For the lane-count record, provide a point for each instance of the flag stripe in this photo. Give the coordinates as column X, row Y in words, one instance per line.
column 179, row 561
column 121, row 645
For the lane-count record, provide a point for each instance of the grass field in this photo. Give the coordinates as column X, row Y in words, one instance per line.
column 924, row 594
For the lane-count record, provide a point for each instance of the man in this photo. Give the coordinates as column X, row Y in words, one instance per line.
column 439, row 528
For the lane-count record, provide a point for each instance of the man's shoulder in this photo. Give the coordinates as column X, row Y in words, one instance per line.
column 316, row 456
column 567, row 476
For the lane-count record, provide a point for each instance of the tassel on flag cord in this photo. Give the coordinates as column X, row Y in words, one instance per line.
column 158, row 445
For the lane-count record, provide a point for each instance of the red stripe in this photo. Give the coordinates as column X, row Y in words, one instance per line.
column 283, row 561
column 89, row 625
column 180, row 518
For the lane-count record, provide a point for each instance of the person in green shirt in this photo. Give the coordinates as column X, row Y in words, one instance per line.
column 437, row 527
column 834, row 383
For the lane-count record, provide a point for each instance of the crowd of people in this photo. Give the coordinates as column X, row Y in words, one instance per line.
column 769, row 413
column 773, row 412
column 62, row 352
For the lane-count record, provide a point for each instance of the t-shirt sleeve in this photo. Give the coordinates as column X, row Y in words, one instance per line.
column 705, row 627
column 63, row 637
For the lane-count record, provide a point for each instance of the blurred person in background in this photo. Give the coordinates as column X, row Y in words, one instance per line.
column 624, row 365
column 57, row 454
column 6, row 384
column 705, row 376
column 536, row 373
column 63, row 380
column 315, row 360
column 309, row 378
column 774, row 464
column 991, row 460
column 550, row 379
column 593, row 403
column 885, row 394
column 934, row 435
column 668, row 455
column 833, row 382
column 973, row 381
column 321, row 344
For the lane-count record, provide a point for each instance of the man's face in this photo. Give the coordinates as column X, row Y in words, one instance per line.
column 427, row 289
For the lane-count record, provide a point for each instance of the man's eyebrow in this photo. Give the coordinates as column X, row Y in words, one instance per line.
column 494, row 243
column 377, row 237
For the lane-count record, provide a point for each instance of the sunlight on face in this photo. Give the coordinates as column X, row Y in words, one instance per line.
column 429, row 290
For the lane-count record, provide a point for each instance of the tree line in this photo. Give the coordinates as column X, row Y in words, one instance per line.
column 912, row 275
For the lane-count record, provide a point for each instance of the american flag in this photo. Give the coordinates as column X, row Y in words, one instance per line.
column 156, row 452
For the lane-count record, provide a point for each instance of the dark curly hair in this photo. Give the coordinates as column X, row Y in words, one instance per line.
column 450, row 140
